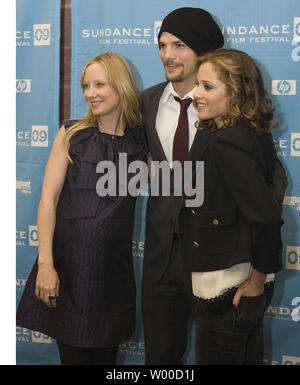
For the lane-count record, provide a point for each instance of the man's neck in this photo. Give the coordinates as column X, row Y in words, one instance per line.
column 183, row 88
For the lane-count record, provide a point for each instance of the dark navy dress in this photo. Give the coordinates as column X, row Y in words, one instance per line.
column 92, row 250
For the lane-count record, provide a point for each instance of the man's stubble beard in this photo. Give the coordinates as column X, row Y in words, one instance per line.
column 177, row 79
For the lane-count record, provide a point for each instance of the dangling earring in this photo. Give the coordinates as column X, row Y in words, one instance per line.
column 198, row 125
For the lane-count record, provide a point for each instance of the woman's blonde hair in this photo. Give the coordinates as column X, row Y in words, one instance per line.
column 248, row 98
column 121, row 79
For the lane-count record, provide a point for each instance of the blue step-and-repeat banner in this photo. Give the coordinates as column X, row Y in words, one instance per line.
column 37, row 121
column 268, row 30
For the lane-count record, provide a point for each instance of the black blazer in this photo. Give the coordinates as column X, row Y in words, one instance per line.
column 239, row 220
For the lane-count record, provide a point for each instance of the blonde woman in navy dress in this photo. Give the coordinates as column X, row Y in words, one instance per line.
column 81, row 290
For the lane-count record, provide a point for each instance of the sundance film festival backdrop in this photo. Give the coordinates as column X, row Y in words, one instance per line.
column 268, row 30
column 37, row 113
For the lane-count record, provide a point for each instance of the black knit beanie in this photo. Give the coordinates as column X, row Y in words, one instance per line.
column 195, row 27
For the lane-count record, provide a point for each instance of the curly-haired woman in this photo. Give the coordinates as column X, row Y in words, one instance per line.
column 232, row 243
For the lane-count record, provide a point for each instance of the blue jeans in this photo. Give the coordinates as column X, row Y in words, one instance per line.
column 234, row 337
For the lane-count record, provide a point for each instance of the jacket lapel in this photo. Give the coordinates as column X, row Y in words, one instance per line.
column 200, row 144
column 197, row 153
column 150, row 109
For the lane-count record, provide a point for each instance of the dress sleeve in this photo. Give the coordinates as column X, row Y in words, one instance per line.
column 69, row 123
column 240, row 170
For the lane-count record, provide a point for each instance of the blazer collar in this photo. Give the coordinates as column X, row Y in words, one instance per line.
column 153, row 104
column 150, row 116
column 200, row 144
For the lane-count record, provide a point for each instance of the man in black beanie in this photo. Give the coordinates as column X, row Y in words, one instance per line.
column 166, row 290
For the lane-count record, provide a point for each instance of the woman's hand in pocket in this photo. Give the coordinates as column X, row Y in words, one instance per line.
column 252, row 287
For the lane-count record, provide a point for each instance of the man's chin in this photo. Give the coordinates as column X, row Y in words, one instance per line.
column 174, row 78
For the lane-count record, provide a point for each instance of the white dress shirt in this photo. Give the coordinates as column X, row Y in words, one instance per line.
column 167, row 119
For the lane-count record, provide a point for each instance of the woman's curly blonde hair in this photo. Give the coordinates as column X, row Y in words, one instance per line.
column 245, row 87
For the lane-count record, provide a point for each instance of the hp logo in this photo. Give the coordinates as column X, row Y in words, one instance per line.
column 23, row 85
column 283, row 87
